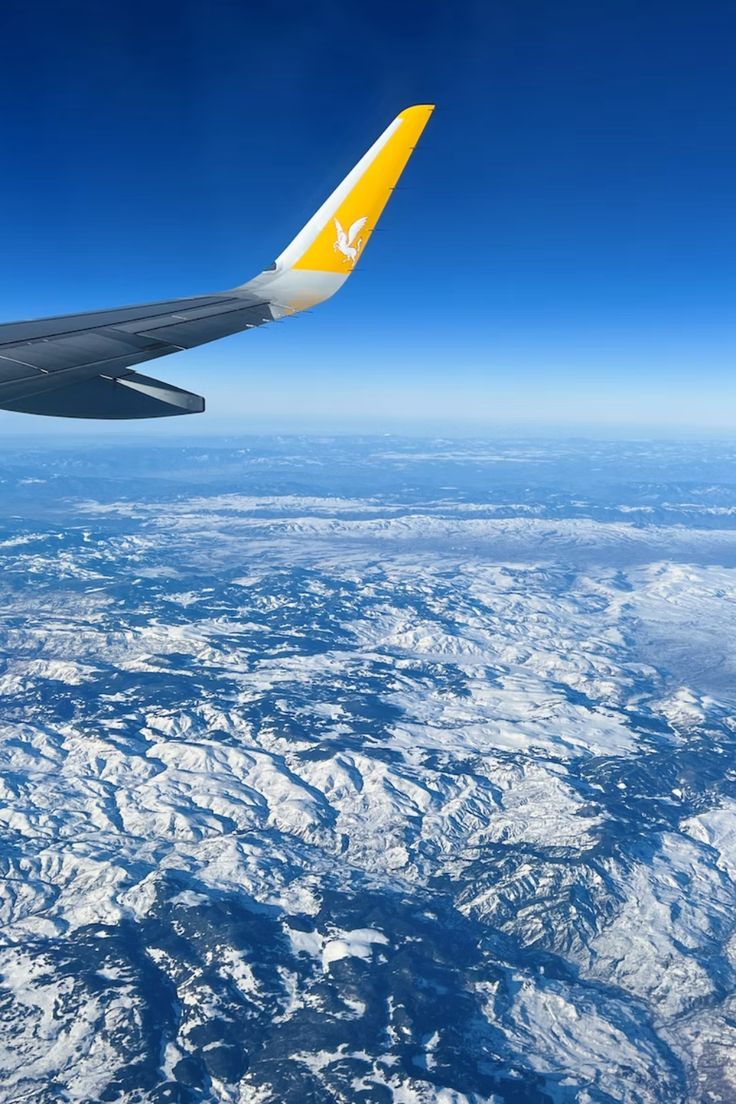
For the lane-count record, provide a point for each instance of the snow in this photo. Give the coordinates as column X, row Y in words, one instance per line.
column 352, row 944
column 438, row 784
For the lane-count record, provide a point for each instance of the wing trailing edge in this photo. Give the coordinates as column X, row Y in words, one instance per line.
column 127, row 397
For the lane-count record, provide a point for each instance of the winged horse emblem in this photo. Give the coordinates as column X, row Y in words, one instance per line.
column 344, row 241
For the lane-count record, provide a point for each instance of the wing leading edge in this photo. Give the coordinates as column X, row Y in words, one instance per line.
column 83, row 366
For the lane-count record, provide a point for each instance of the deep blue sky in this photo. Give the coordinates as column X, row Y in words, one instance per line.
column 564, row 251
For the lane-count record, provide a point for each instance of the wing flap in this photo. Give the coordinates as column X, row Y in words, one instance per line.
column 75, row 351
column 130, row 396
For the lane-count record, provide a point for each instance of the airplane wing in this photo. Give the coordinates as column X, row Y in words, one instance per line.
column 82, row 365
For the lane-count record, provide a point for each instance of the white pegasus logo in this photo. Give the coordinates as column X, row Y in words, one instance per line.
column 344, row 242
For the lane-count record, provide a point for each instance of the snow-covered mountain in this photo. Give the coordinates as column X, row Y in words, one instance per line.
column 364, row 771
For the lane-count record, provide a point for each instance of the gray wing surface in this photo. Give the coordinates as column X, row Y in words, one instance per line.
column 81, row 365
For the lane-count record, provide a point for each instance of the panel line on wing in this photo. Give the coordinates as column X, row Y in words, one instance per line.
column 106, row 319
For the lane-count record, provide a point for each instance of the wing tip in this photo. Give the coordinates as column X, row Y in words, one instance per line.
column 417, row 109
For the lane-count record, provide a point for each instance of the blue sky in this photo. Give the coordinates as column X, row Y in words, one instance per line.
column 562, row 254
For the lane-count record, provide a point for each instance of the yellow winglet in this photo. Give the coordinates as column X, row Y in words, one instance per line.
column 334, row 239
